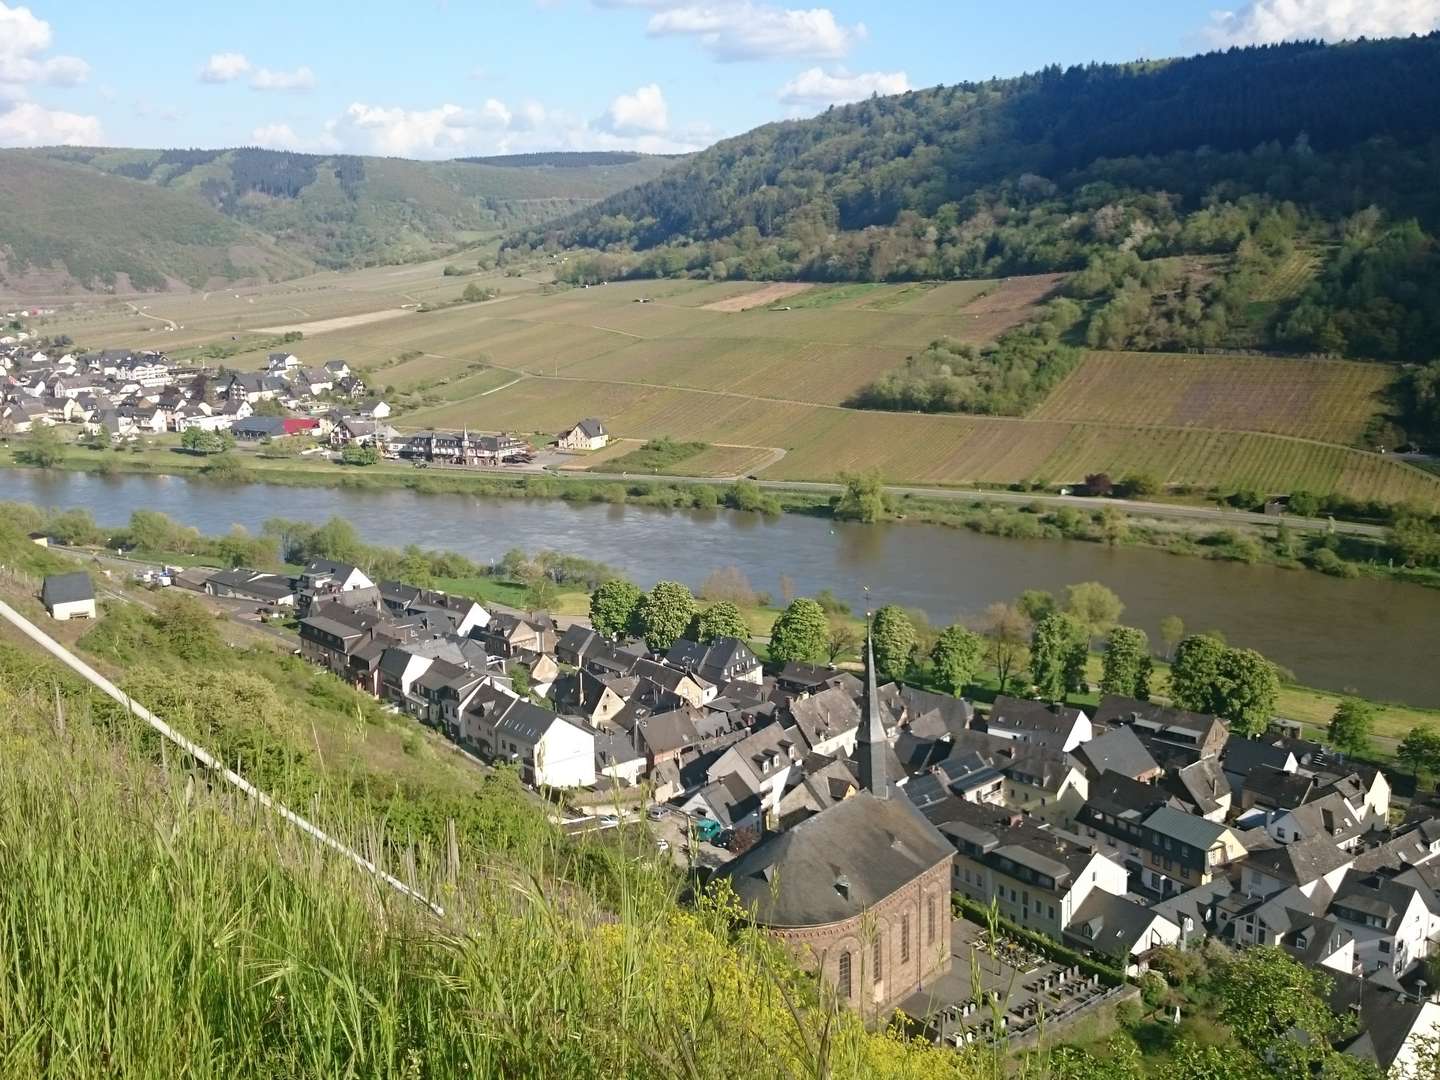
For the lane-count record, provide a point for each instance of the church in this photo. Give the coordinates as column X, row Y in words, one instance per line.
column 860, row 892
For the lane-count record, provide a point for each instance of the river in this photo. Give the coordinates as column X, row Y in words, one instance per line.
column 1376, row 638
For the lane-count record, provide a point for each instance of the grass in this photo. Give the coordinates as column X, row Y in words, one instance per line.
column 131, row 878
column 660, row 455
column 1331, row 401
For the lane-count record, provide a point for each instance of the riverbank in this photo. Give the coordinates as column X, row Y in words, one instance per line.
column 1347, row 552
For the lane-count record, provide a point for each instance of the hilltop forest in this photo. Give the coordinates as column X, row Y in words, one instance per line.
column 1281, row 198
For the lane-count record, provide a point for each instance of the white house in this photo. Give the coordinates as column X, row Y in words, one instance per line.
column 1057, row 727
column 588, row 434
column 69, row 596
column 550, row 750
column 1390, row 920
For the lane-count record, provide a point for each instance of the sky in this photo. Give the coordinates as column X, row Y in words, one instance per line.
column 447, row 78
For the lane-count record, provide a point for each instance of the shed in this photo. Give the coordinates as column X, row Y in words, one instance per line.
column 69, row 596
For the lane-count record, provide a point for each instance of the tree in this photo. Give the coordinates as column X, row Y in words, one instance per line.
column 44, row 449
column 187, row 629
column 1172, row 629
column 336, row 540
column 843, row 638
column 226, row 468
column 956, row 658
column 1127, row 665
column 1420, row 751
column 540, row 590
column 1351, row 726
column 721, row 619
column 1094, row 605
column 801, row 633
column 1035, row 604
column 664, row 614
column 1059, row 648
column 1007, row 632
column 1195, row 671
column 355, row 454
column 1249, row 687
column 894, row 638
column 613, row 606
column 1263, row 995
column 863, row 498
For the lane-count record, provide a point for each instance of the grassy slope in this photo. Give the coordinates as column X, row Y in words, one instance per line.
column 95, row 228
column 403, row 209
column 258, row 954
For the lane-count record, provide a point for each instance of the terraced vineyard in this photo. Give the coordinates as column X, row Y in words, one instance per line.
column 1331, row 401
column 758, row 381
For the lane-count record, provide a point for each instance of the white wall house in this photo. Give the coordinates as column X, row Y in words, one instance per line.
column 69, row 596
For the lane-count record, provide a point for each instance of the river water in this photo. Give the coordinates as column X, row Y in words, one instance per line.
column 1373, row 637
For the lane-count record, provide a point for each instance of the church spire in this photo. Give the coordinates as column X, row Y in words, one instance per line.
column 871, row 747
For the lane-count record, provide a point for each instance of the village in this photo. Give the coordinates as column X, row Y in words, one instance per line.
column 907, row 844
column 119, row 396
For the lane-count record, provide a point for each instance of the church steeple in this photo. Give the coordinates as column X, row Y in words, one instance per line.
column 871, row 747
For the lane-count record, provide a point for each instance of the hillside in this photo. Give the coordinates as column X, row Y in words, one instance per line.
column 68, row 228
column 1245, row 154
column 134, row 875
column 299, row 209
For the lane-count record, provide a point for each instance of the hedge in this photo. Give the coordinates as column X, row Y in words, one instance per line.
column 1062, row 954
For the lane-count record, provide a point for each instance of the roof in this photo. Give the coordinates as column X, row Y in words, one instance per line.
column 1187, row 828
column 1120, row 796
column 825, row 715
column 590, row 427
column 1037, row 720
column 1243, row 756
column 1111, row 924
column 67, row 588
column 1387, row 1017
column 1201, row 783
column 1119, row 751
column 1300, row 863
column 837, row 864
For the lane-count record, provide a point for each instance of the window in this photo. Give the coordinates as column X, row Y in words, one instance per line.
column 905, row 938
column 843, row 983
column 1384, row 945
column 879, row 959
column 930, row 921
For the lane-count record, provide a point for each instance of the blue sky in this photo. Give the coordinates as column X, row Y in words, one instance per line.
column 441, row 78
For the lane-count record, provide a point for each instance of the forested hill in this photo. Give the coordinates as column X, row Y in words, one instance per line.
column 340, row 211
column 1035, row 173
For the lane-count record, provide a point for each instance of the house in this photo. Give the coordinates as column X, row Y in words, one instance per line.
column 373, row 409
column 1120, row 751
column 1390, row 919
column 728, row 801
column 818, row 784
column 325, row 580
column 1331, row 818
column 763, row 761
column 1201, row 789
column 68, row 596
column 588, row 434
column 550, row 750
column 1312, row 867
column 573, row 645
column 617, row 758
column 512, row 635
column 1045, row 783
column 725, row 660
column 337, row 369
column 1181, row 850
column 281, row 362
column 1167, row 732
column 827, row 722
column 1395, row 1032
column 256, row 428
column 1120, row 929
column 1059, row 727
column 1038, row 878
column 689, row 688
column 312, row 381
column 273, row 589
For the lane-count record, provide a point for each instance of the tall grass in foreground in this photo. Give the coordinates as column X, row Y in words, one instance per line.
column 153, row 927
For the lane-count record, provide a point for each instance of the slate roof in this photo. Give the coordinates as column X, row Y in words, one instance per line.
column 1119, row 751
column 1110, row 924
column 1300, row 863
column 1037, row 721
column 1187, row 828
column 1120, row 796
column 1243, row 756
column 1387, row 1017
column 1202, row 784
column 67, row 588
column 825, row 715
column 837, row 864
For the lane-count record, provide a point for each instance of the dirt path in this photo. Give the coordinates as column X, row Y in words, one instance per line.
column 146, row 315
column 767, row 294
column 342, row 322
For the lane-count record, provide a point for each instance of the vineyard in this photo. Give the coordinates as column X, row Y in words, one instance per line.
column 1331, row 401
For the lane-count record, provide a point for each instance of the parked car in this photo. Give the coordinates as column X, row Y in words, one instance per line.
column 655, row 813
column 662, row 844
column 707, row 829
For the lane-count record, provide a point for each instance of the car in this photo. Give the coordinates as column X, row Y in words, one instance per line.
column 609, row 821
column 662, row 844
column 655, row 813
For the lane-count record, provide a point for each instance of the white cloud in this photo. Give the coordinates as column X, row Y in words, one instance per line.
column 642, row 113
column 1267, row 21
column 302, row 78
column 741, row 30
column 28, row 124
column 818, row 87
column 23, row 37
column 224, row 67
column 746, row 30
